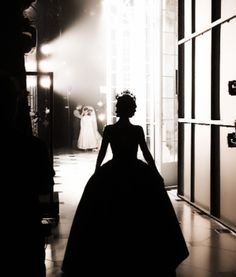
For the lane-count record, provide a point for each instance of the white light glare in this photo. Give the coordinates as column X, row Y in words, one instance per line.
column 46, row 49
column 45, row 82
column 45, row 66
column 101, row 117
column 100, row 103
column 30, row 65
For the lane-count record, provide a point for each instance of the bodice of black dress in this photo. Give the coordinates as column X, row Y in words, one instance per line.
column 124, row 140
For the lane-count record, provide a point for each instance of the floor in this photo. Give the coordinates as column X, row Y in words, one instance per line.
column 212, row 246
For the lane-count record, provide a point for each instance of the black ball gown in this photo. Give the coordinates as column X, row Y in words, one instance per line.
column 125, row 224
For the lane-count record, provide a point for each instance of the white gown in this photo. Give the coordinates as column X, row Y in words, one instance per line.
column 89, row 137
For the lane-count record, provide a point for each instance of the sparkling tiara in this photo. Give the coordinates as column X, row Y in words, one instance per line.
column 126, row 92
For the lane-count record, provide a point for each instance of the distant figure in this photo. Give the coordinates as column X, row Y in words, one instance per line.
column 76, row 125
column 26, row 173
column 125, row 224
column 89, row 137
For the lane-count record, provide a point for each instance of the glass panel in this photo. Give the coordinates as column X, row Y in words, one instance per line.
column 203, row 14
column 168, row 144
column 202, row 166
column 31, row 83
column 187, row 160
column 169, row 99
column 227, row 71
column 188, row 79
column 203, row 77
column 228, row 8
column 227, row 178
column 187, row 18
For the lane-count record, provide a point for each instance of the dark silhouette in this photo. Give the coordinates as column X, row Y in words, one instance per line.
column 18, row 36
column 77, row 114
column 26, row 173
column 125, row 224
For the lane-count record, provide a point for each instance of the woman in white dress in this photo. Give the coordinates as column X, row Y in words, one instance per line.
column 76, row 125
column 89, row 137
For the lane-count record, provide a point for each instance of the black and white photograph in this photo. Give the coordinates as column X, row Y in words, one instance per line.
column 119, row 138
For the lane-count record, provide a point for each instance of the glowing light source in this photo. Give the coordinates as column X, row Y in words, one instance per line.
column 45, row 66
column 101, row 117
column 46, row 49
column 45, row 82
column 100, row 103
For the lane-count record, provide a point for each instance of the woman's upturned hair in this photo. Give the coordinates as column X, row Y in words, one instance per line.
column 126, row 104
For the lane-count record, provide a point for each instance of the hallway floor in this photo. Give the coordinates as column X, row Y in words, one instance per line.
column 212, row 247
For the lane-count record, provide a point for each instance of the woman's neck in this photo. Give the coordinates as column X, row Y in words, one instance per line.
column 123, row 120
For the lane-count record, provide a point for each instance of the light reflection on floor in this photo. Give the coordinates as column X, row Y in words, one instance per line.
column 212, row 253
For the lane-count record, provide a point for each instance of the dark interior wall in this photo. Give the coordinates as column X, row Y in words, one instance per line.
column 17, row 38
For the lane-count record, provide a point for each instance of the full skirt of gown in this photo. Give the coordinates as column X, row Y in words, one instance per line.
column 124, row 225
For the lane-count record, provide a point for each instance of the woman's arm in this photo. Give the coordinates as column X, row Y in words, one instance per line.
column 146, row 153
column 103, row 148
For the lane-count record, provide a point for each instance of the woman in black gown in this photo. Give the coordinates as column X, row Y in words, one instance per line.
column 125, row 224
